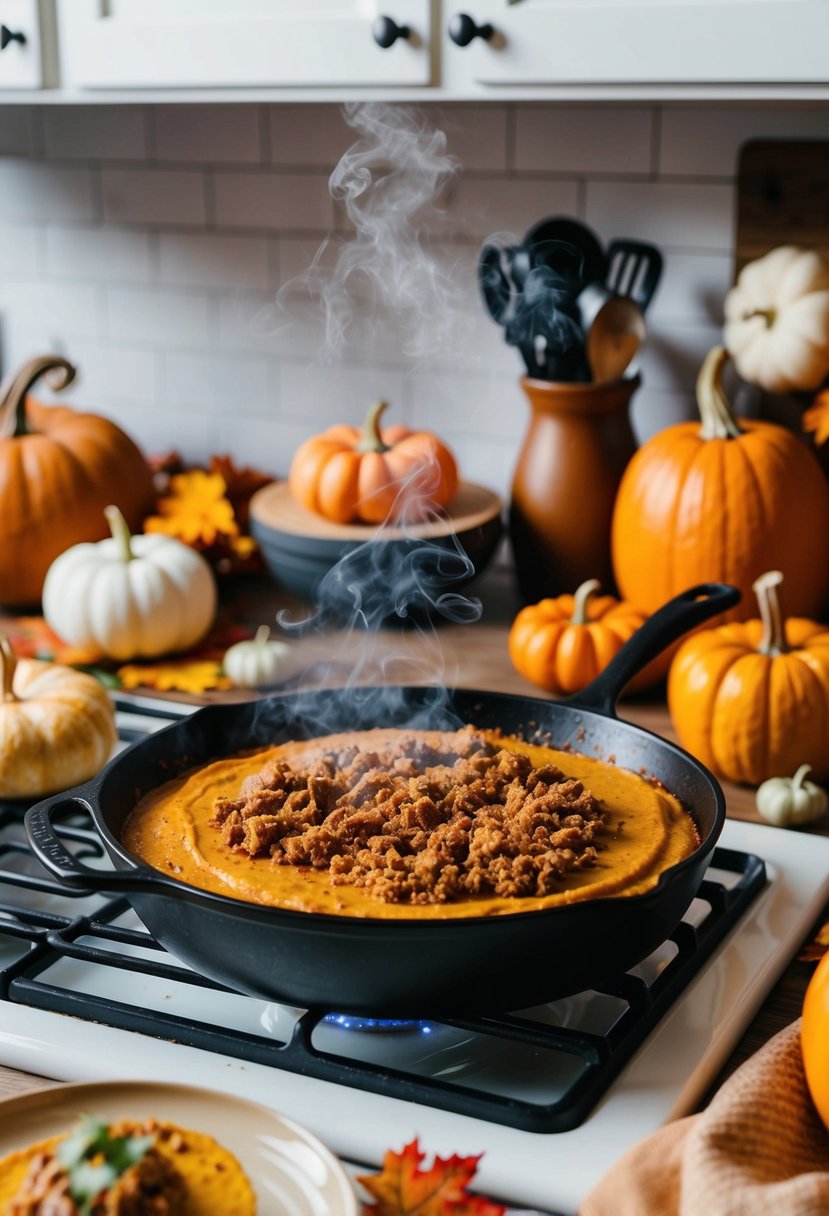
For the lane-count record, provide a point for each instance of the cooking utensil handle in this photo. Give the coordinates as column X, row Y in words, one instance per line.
column 64, row 865
column 683, row 612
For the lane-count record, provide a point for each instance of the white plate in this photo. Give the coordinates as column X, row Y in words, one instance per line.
column 292, row 1173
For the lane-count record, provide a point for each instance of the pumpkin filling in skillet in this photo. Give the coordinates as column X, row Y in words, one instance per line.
column 400, row 823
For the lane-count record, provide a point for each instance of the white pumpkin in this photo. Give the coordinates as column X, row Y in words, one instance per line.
column 777, row 320
column 791, row 801
column 260, row 662
column 57, row 726
column 130, row 596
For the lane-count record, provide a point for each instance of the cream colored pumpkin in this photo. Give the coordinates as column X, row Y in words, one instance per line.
column 777, row 320
column 130, row 596
column 57, row 727
column 260, row 662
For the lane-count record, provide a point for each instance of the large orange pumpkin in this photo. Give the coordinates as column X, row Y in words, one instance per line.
column 814, row 1038
column 751, row 700
column 349, row 474
column 58, row 470
column 722, row 501
column 562, row 644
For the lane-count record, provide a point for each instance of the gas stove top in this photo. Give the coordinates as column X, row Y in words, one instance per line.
column 551, row 1095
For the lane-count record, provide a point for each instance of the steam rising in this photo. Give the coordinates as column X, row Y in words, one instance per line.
column 390, row 183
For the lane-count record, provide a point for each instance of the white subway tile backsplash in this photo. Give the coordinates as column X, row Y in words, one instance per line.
column 481, row 206
column 705, row 141
column 38, row 193
column 313, row 135
column 273, row 201
column 218, row 384
column 218, row 134
column 584, row 139
column 683, row 215
column 95, row 133
column 154, row 196
column 112, row 254
column 211, row 260
column 171, row 297
column 159, row 317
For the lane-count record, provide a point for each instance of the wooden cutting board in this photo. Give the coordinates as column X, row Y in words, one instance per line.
column 782, row 196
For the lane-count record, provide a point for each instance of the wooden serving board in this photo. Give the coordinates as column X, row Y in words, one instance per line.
column 782, row 196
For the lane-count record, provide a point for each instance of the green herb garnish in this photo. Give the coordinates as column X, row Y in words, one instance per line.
column 95, row 1159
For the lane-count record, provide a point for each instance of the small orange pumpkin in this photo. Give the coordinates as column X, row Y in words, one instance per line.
column 562, row 644
column 814, row 1038
column 751, row 700
column 350, row 474
column 721, row 501
column 58, row 470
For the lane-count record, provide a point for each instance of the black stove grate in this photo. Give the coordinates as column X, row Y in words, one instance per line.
column 540, row 1070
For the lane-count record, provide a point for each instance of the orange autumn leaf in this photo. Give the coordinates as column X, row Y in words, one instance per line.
column 402, row 1188
column 241, row 484
column 174, row 677
column 814, row 950
column 196, row 509
column 816, row 418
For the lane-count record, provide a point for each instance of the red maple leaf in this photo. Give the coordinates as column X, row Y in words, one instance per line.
column 402, row 1188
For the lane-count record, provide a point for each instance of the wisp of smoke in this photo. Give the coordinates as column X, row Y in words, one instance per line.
column 390, row 183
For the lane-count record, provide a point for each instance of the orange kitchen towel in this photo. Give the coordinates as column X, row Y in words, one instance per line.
column 759, row 1149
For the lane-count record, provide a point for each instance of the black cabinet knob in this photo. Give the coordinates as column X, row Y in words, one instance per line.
column 386, row 31
column 7, row 36
column 463, row 29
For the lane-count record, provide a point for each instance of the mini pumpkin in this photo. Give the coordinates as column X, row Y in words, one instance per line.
column 562, row 644
column 370, row 476
column 777, row 320
column 722, row 502
column 58, row 470
column 751, row 700
column 260, row 662
column 130, row 596
column 792, row 801
column 57, row 726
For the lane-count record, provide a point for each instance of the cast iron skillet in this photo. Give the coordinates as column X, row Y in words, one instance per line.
column 399, row 968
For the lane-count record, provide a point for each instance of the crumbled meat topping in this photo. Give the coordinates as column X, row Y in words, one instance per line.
column 418, row 821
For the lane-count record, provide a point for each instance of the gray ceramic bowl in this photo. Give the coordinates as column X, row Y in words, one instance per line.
column 384, row 572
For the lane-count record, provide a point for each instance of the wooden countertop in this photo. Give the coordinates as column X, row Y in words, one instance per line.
column 470, row 656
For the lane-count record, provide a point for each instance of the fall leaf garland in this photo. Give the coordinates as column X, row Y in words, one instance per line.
column 402, row 1188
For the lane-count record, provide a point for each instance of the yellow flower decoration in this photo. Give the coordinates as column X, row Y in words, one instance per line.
column 178, row 677
column 196, row 511
column 816, row 418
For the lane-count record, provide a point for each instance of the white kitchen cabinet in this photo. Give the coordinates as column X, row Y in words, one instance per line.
column 512, row 43
column 21, row 57
column 198, row 44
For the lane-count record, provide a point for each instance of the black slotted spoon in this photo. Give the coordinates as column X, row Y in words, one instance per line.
column 634, row 269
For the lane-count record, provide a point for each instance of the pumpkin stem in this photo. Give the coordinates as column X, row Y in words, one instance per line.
column 372, row 440
column 13, row 391
column 769, row 315
column 263, row 633
column 717, row 420
column 120, row 532
column 800, row 776
column 773, row 641
column 9, row 662
column 581, row 600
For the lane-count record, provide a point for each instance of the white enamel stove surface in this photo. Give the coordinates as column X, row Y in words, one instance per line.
column 552, row 1171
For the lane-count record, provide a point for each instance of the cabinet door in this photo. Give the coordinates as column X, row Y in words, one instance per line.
column 20, row 54
column 115, row 44
column 643, row 41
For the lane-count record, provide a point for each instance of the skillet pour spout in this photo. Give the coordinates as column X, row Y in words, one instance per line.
column 402, row 967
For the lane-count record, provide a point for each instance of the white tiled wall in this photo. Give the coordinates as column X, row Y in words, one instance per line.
column 149, row 243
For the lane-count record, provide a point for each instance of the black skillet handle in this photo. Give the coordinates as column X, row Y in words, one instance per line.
column 65, row 866
column 683, row 612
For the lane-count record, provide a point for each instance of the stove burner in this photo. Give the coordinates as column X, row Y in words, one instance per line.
column 541, row 1069
column 348, row 1021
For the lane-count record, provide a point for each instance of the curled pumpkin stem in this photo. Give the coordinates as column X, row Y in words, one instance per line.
column 60, row 372
column 718, row 422
column 800, row 776
column 581, row 601
column 119, row 528
column 9, row 664
column 372, row 440
column 773, row 641
column 263, row 634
